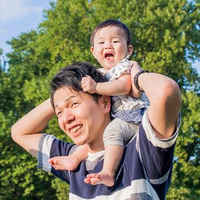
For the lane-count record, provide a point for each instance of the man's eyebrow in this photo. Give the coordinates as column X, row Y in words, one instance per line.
column 116, row 36
column 65, row 100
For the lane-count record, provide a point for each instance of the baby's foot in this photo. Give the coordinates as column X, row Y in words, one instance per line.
column 100, row 178
column 64, row 162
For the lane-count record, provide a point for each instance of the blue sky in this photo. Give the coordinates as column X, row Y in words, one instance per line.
column 17, row 16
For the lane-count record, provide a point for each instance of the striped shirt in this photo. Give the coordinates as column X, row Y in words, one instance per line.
column 144, row 172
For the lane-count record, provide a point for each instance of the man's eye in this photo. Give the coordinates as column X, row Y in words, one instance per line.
column 59, row 113
column 74, row 104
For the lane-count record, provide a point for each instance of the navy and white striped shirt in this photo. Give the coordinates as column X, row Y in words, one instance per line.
column 144, row 172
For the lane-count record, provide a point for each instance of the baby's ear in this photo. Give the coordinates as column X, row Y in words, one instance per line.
column 93, row 51
column 130, row 50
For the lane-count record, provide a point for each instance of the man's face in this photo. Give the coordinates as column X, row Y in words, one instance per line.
column 110, row 46
column 80, row 117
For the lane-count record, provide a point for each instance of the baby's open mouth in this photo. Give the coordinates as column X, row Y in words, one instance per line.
column 109, row 55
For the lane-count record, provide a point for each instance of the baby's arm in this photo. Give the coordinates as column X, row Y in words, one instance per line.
column 121, row 86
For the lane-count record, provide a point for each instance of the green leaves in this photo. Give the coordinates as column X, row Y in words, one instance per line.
column 186, row 167
column 165, row 36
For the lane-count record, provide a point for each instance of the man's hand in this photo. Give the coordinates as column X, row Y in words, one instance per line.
column 88, row 85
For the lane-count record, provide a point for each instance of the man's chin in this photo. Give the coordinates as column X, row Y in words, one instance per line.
column 79, row 142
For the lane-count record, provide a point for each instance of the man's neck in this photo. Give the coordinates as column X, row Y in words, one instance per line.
column 94, row 148
column 98, row 145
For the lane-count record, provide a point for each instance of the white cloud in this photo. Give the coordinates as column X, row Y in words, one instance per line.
column 11, row 10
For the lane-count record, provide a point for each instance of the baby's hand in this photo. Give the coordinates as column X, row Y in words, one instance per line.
column 135, row 66
column 88, row 84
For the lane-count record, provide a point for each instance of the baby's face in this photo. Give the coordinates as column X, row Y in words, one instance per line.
column 110, row 46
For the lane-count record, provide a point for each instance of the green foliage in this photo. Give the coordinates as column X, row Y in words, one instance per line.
column 165, row 36
column 62, row 190
column 186, row 176
column 19, row 176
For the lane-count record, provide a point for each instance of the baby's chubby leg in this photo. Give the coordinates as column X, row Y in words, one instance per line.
column 113, row 155
column 70, row 162
column 117, row 133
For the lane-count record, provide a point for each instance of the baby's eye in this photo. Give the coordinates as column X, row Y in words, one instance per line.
column 101, row 43
column 116, row 41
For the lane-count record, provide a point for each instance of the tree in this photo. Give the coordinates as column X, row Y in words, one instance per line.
column 19, row 176
column 165, row 37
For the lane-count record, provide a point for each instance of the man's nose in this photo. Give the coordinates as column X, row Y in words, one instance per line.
column 68, row 116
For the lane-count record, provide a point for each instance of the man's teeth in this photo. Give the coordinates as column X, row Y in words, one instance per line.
column 73, row 130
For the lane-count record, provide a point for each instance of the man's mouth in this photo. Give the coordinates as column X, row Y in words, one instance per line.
column 75, row 129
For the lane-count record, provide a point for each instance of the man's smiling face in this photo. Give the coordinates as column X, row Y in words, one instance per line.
column 80, row 116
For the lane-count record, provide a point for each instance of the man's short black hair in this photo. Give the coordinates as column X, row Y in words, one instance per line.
column 72, row 75
column 112, row 22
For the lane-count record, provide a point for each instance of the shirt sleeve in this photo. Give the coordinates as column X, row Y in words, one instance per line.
column 50, row 146
column 155, row 154
column 44, row 149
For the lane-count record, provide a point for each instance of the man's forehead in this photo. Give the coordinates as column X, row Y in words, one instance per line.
column 65, row 94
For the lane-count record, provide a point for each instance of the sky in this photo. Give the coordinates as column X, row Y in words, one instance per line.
column 18, row 16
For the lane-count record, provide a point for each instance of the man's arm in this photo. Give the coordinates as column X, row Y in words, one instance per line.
column 165, row 101
column 26, row 132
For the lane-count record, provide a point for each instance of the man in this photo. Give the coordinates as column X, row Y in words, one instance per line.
column 146, row 166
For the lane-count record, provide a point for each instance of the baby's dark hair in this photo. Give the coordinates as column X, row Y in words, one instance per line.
column 111, row 22
column 71, row 77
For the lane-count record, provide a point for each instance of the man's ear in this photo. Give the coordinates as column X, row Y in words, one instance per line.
column 130, row 50
column 93, row 51
column 106, row 103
